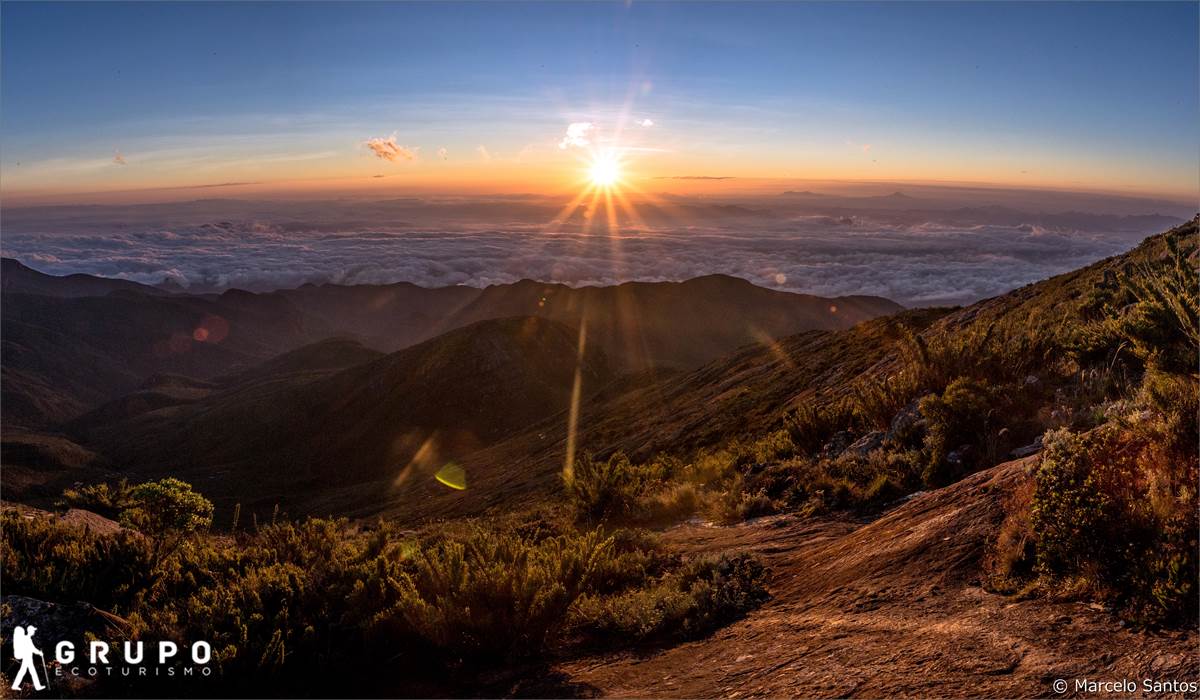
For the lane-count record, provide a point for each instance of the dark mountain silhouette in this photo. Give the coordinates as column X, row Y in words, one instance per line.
column 62, row 355
column 414, row 410
column 17, row 277
column 640, row 324
column 323, row 356
column 73, row 343
column 674, row 324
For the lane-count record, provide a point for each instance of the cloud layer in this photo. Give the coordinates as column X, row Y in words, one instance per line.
column 265, row 246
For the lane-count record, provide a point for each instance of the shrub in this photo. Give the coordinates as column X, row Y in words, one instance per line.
column 166, row 507
column 1147, row 313
column 600, row 489
column 744, row 499
column 1107, row 511
column 43, row 558
column 876, row 402
column 702, row 595
column 773, row 447
column 105, row 499
column 812, row 424
column 496, row 594
column 961, row 415
column 1010, row 559
column 282, row 603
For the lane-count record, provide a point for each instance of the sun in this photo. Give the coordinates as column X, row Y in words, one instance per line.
column 605, row 170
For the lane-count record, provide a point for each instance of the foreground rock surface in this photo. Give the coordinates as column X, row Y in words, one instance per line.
column 893, row 608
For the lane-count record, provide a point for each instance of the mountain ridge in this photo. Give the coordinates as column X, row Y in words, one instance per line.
column 71, row 349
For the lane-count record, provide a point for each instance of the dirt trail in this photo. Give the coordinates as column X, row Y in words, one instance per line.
column 891, row 608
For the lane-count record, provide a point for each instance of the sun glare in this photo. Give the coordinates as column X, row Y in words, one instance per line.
column 605, row 171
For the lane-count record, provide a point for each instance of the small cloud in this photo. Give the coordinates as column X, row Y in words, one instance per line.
column 646, row 123
column 389, row 150
column 378, row 176
column 118, row 158
column 483, row 152
column 442, row 153
column 577, row 135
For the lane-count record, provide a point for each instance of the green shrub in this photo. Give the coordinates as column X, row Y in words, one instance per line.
column 876, row 402
column 702, row 595
column 961, row 415
column 1147, row 314
column 812, row 424
column 47, row 559
column 601, row 489
column 496, row 594
column 105, row 499
column 283, row 603
column 1108, row 511
column 168, row 506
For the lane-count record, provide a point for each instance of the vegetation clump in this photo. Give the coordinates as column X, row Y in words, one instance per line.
column 282, row 602
column 1112, row 511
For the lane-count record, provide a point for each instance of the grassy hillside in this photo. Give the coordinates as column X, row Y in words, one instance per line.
column 1019, row 356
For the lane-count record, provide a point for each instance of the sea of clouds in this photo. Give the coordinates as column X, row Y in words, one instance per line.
column 916, row 264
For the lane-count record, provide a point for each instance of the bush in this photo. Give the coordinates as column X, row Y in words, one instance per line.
column 961, row 416
column 105, row 499
column 1108, row 513
column 497, row 595
column 812, row 424
column 42, row 557
column 601, row 489
column 283, row 603
column 166, row 507
column 702, row 595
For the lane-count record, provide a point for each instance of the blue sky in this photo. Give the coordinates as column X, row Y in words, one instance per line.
column 1101, row 95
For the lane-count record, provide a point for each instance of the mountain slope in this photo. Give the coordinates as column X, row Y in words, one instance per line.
column 675, row 324
column 290, row 437
column 73, row 343
column 751, row 392
column 19, row 278
column 640, row 324
column 61, row 356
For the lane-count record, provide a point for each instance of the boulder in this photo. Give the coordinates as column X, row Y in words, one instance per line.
column 58, row 621
column 1027, row 450
column 867, row 443
column 960, row 456
column 907, row 424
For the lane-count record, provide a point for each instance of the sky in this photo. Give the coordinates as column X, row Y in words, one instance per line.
column 111, row 102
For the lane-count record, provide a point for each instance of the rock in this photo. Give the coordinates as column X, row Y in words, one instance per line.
column 1166, row 662
column 58, row 621
column 907, row 423
column 867, row 443
column 1032, row 380
column 959, row 456
column 1033, row 448
column 837, row 444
